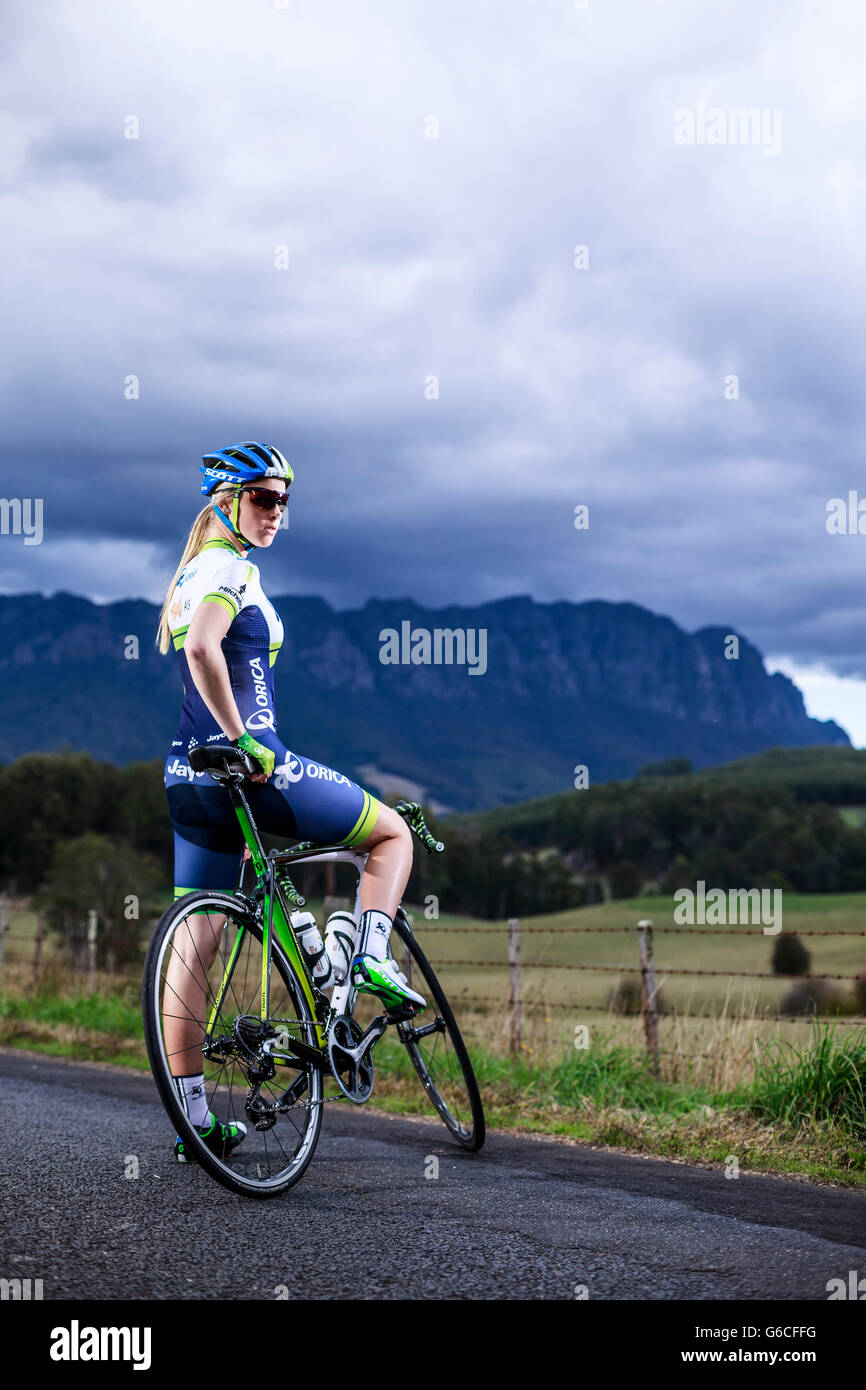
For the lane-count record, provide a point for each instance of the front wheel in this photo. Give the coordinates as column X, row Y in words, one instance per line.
column 436, row 1047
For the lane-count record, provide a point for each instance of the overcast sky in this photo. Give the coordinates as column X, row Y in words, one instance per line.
column 307, row 125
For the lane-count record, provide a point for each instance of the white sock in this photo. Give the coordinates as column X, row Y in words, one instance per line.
column 340, row 931
column 373, row 934
column 191, row 1094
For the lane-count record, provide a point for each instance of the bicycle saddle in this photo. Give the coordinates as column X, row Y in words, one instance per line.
column 222, row 761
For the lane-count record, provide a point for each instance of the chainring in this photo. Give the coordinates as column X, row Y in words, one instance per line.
column 354, row 1078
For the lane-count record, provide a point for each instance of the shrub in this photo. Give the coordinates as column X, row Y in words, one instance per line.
column 812, row 997
column 680, row 873
column 626, row 998
column 790, row 956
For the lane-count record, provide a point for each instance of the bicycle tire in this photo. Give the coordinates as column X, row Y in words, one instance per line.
column 470, row 1138
column 222, row 903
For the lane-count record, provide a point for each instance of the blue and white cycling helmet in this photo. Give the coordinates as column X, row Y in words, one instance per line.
column 242, row 464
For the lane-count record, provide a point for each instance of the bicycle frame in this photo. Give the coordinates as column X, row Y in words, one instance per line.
column 321, row 1041
column 275, row 918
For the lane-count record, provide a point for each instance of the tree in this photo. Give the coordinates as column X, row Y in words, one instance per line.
column 110, row 877
column 625, row 879
column 666, row 767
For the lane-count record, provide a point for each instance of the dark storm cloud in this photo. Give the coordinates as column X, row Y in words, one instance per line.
column 304, row 127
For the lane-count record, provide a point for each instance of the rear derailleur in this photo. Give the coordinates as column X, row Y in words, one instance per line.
column 250, row 1034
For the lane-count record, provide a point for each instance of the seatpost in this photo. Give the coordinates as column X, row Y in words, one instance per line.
column 248, row 826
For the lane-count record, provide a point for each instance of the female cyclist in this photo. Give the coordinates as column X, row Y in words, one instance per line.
column 227, row 636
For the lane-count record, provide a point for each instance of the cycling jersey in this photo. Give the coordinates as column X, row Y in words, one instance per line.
column 219, row 575
column 303, row 799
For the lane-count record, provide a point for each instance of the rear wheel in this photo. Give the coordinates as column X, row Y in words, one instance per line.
column 201, row 1006
column 435, row 1045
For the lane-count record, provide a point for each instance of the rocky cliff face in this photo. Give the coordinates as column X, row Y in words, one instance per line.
column 611, row 686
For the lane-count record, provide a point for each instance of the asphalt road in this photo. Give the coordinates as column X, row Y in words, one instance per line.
column 523, row 1219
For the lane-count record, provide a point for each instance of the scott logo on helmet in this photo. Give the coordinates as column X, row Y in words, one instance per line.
column 220, row 475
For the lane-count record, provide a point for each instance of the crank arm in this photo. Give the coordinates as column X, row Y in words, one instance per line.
column 366, row 1040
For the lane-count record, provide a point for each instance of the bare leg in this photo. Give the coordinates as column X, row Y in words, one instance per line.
column 188, row 999
column 389, row 863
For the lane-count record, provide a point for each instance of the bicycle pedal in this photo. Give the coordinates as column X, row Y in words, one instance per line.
column 402, row 1012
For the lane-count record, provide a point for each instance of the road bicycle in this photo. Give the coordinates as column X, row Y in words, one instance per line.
column 267, row 1038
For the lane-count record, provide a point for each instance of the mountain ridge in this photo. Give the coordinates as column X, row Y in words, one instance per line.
column 611, row 686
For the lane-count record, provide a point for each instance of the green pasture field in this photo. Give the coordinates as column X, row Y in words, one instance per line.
column 547, row 941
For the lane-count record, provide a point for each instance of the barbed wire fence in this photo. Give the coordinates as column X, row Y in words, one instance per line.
column 35, row 943
column 520, row 1010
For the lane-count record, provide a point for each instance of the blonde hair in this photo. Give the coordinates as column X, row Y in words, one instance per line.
column 204, row 526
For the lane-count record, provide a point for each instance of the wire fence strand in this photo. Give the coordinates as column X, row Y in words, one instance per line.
column 662, row 969
column 659, row 931
column 576, row 1007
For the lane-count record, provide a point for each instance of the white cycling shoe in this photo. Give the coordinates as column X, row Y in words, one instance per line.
column 384, row 979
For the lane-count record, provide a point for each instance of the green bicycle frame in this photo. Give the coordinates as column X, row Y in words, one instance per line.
column 274, row 921
column 275, row 917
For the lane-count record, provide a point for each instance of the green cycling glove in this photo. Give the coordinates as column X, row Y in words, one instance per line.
column 264, row 756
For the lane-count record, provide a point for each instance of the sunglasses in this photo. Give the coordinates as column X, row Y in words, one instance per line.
column 266, row 498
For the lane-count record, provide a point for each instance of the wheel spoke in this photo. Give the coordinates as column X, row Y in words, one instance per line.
column 193, row 949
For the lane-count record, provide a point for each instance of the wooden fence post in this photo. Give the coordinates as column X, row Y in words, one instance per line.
column 514, row 982
column 37, row 943
column 4, row 927
column 648, row 991
column 92, row 928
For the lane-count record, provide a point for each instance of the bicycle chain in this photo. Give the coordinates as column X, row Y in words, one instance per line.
column 305, row 1104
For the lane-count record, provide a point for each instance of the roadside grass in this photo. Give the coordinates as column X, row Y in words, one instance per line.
column 608, row 1095
column 801, row 1115
column 822, row 1084
column 56, row 1016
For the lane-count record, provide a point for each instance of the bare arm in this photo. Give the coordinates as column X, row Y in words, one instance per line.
column 208, row 668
